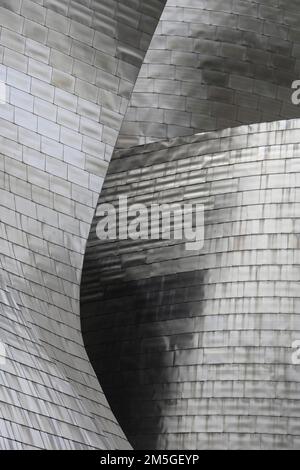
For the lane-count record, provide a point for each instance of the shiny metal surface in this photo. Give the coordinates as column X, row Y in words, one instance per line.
column 214, row 64
column 193, row 349
column 69, row 69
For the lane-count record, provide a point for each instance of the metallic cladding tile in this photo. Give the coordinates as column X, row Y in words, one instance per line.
column 58, row 129
column 212, row 52
column 193, row 349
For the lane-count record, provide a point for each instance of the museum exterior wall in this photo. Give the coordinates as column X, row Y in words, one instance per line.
column 69, row 68
column 194, row 348
column 214, row 64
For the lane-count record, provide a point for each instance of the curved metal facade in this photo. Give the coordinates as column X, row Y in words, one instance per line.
column 69, row 68
column 214, row 64
column 194, row 348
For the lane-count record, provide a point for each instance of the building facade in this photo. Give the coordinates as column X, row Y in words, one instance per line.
column 214, row 64
column 199, row 344
column 194, row 348
column 68, row 68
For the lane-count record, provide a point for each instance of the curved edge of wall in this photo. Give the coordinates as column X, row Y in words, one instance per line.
column 213, row 65
column 68, row 70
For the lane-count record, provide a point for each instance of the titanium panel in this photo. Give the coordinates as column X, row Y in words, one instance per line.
column 69, row 68
column 214, row 64
column 194, row 348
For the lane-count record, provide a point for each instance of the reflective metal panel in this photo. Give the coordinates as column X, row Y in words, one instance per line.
column 68, row 69
column 194, row 348
column 214, row 64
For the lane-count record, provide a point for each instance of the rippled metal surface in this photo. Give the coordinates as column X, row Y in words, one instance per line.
column 214, row 64
column 194, row 348
column 69, row 68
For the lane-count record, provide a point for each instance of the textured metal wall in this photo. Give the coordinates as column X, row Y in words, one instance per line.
column 194, row 348
column 214, row 64
column 69, row 67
